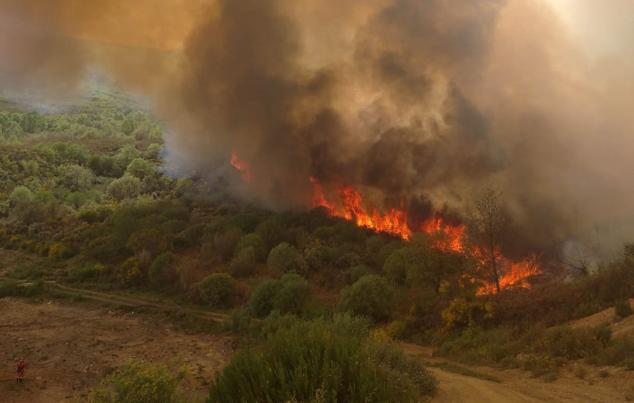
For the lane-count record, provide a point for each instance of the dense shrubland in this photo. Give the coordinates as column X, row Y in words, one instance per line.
column 85, row 190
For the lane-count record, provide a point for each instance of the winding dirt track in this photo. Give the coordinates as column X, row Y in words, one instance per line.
column 516, row 387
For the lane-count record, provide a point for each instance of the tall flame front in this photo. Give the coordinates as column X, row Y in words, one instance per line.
column 446, row 237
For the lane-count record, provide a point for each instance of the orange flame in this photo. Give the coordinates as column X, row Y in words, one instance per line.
column 514, row 275
column 352, row 209
column 241, row 166
column 448, row 237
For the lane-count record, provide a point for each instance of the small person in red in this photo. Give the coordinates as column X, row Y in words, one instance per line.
column 21, row 369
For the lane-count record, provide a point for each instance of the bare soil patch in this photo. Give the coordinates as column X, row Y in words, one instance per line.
column 69, row 349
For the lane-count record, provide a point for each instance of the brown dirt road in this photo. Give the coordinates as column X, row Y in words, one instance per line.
column 515, row 386
column 69, row 348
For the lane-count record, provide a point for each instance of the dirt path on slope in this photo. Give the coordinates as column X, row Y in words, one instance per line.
column 514, row 386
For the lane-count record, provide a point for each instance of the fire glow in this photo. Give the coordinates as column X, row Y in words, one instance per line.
column 241, row 166
column 447, row 237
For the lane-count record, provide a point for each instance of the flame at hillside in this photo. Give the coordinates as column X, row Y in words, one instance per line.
column 514, row 275
column 241, row 166
column 445, row 236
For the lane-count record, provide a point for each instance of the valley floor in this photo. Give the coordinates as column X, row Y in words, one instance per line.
column 69, row 348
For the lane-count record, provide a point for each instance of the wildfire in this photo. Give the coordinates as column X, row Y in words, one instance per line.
column 241, row 166
column 446, row 237
column 352, row 208
column 449, row 237
column 514, row 274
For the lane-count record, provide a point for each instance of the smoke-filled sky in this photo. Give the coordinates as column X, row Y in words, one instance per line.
column 409, row 100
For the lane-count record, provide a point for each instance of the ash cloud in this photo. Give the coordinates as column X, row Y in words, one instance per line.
column 418, row 101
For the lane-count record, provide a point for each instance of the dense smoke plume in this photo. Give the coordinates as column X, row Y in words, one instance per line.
column 418, row 103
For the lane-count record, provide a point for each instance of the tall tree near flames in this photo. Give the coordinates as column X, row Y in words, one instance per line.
column 487, row 228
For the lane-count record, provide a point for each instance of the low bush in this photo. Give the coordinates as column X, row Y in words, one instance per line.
column 623, row 309
column 217, row 290
column 322, row 361
column 129, row 273
column 285, row 258
column 371, row 296
column 87, row 272
column 252, row 241
column 139, row 382
column 244, row 262
column 286, row 295
column 568, row 343
column 162, row 272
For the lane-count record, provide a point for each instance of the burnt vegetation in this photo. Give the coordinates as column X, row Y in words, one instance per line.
column 86, row 192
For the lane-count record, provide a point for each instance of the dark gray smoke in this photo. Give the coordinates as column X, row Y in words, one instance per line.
column 415, row 102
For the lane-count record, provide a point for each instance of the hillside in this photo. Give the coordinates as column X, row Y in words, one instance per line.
column 108, row 256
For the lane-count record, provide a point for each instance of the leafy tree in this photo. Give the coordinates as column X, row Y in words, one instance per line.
column 319, row 257
column 252, row 241
column 225, row 242
column 244, row 262
column 162, row 273
column 371, row 296
column 292, row 294
column 76, row 178
column 151, row 240
column 217, row 290
column 140, row 168
column 261, row 300
column 126, row 187
column 488, row 227
column 271, row 231
column 285, row 258
column 20, row 196
column 397, row 265
column 286, row 295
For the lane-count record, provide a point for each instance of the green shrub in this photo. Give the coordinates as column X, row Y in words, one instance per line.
column 620, row 352
column 321, row 361
column 261, row 300
column 286, row 295
column 291, row 294
column 371, row 296
column 540, row 365
column 60, row 251
column 353, row 274
column 162, row 272
column 397, row 265
column 138, row 382
column 252, row 241
column 126, row 187
column 285, row 258
column 244, row 263
column 271, row 231
column 217, row 290
column 623, row 309
column 87, row 272
column 129, row 273
column 319, row 257
column 225, row 242
column 12, row 288
column 140, row 168
column 565, row 342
